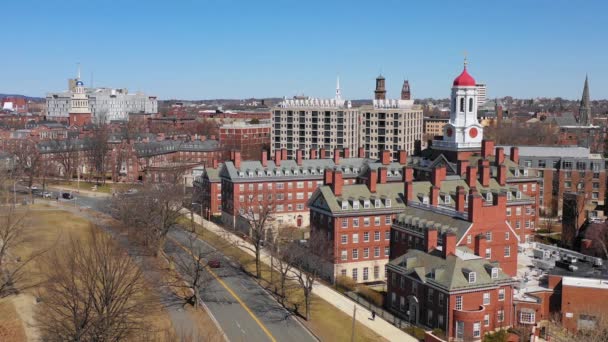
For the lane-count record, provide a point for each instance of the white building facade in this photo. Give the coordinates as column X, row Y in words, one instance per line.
column 104, row 103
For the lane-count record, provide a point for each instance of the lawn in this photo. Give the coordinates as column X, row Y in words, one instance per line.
column 104, row 188
column 49, row 228
column 11, row 328
column 327, row 322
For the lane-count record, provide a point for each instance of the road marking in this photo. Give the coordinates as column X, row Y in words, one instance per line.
column 238, row 299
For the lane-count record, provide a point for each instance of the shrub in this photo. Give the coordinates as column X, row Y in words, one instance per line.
column 372, row 296
column 345, row 284
column 439, row 333
column 416, row 332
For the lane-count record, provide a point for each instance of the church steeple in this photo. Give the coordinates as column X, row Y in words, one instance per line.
column 405, row 91
column 380, row 92
column 584, row 111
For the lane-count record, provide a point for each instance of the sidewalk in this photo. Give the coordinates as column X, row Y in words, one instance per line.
column 379, row 326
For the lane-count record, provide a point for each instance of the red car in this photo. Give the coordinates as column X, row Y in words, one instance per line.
column 214, row 263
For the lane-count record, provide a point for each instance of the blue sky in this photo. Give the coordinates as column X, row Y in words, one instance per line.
column 236, row 49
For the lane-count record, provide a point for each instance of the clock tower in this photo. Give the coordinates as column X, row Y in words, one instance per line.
column 463, row 130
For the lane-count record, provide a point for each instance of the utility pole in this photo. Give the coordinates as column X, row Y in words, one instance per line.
column 352, row 336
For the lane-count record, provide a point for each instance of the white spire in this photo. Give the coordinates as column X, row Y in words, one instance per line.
column 78, row 77
column 338, row 91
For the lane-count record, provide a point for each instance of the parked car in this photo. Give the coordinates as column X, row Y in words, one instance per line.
column 47, row 194
column 67, row 195
column 214, row 263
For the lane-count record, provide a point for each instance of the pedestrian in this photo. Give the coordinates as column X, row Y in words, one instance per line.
column 373, row 315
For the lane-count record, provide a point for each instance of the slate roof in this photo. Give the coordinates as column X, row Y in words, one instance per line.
column 324, row 199
column 451, row 273
column 252, row 170
column 420, row 217
column 147, row 149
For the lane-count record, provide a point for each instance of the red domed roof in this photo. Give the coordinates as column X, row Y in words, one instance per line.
column 464, row 79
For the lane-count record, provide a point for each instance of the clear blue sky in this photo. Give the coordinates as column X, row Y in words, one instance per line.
column 236, row 49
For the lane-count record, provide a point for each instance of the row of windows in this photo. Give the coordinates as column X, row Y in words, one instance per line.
column 355, row 273
column 366, row 237
column 366, row 251
column 280, row 186
column 366, row 221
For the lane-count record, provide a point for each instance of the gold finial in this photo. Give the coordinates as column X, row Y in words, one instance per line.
column 465, row 59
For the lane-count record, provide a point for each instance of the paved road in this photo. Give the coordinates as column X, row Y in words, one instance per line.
column 244, row 310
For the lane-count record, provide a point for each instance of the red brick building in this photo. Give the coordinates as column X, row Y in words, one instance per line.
column 449, row 288
column 249, row 139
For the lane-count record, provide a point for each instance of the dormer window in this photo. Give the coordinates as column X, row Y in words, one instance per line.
column 304, row 172
column 472, row 277
column 494, row 272
column 356, row 169
column 366, row 204
column 344, row 205
column 509, row 195
column 313, row 171
column 355, row 204
column 260, row 173
column 525, row 172
column 518, row 195
column 387, row 202
column 447, row 199
column 516, row 172
column 377, row 203
column 241, row 174
column 425, row 199
column 250, row 173
column 295, row 172
column 489, row 197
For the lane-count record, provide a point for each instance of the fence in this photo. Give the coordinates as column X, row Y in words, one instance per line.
column 387, row 316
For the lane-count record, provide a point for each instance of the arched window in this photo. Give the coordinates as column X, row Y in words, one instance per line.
column 462, row 104
column 470, row 104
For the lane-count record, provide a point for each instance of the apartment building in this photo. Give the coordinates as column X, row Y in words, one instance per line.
column 392, row 125
column 310, row 123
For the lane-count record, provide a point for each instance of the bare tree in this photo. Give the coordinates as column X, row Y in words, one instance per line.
column 308, row 261
column 280, row 261
column 190, row 265
column 67, row 155
column 98, row 151
column 150, row 213
column 13, row 276
column 258, row 216
column 93, row 292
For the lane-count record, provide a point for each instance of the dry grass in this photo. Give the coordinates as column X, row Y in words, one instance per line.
column 327, row 322
column 48, row 228
column 11, row 328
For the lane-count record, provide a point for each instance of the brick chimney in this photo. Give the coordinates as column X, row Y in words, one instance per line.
column 514, row 156
column 231, row 154
column 500, row 156
column 277, row 157
column 346, row 152
column 237, row 159
column 484, row 172
column 430, row 239
column 434, row 194
column 299, row 157
column 283, row 154
column 313, row 153
column 475, row 207
column 500, row 200
column 402, row 157
column 372, row 181
column 471, row 176
column 487, row 147
column 361, row 153
column 408, row 191
column 408, row 174
column 337, row 183
column 215, row 163
column 460, row 201
column 328, row 176
column 501, row 175
column 336, row 156
column 264, row 158
column 480, row 245
column 385, row 157
column 438, row 175
column 382, row 175
column 322, row 153
column 449, row 244
column 462, row 167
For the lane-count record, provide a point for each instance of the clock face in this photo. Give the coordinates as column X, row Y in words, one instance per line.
column 473, row 132
column 448, row 132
